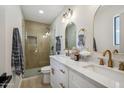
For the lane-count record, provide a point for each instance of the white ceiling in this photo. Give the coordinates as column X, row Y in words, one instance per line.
column 31, row 12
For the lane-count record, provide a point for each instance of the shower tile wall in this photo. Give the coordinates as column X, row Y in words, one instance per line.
column 36, row 47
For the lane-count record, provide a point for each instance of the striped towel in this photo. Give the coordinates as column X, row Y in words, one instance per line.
column 17, row 53
column 58, row 44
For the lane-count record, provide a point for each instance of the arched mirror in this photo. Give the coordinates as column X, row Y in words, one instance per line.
column 70, row 36
column 108, row 28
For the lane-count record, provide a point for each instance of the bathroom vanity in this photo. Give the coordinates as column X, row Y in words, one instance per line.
column 66, row 73
column 102, row 71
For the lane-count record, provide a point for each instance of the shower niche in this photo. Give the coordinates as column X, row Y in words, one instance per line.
column 32, row 42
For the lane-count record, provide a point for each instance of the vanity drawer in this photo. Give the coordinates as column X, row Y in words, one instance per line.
column 62, row 80
column 59, row 75
column 62, row 69
column 62, row 76
column 58, row 81
column 79, row 81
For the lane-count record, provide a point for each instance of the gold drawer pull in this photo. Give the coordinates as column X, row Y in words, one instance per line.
column 52, row 69
column 61, row 85
column 62, row 71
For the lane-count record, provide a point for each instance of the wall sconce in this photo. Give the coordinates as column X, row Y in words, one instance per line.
column 67, row 15
column 83, row 29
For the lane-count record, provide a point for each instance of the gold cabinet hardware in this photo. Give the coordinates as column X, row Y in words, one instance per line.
column 101, row 61
column 61, row 84
column 62, row 71
column 52, row 70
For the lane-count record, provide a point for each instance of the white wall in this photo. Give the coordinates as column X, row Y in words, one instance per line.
column 2, row 39
column 13, row 19
column 122, row 33
column 83, row 17
column 10, row 17
column 103, row 26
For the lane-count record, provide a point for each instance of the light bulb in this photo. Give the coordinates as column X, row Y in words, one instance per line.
column 44, row 36
column 41, row 11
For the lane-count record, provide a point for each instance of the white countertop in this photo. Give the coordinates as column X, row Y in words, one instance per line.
column 78, row 66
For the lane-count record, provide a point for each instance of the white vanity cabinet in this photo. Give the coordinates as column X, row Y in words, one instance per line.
column 58, row 75
column 53, row 74
column 65, row 77
column 77, row 80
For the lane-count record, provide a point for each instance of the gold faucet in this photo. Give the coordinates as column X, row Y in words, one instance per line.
column 110, row 62
column 115, row 51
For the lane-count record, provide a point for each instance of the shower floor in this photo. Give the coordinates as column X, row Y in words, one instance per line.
column 32, row 72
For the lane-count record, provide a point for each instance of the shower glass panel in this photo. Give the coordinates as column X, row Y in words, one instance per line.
column 31, row 52
column 37, row 48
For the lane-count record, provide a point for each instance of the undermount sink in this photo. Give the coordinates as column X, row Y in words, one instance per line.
column 106, row 72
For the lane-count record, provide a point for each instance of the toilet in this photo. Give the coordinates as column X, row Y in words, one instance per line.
column 45, row 71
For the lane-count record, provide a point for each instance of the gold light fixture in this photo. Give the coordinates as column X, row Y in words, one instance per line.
column 82, row 29
column 67, row 15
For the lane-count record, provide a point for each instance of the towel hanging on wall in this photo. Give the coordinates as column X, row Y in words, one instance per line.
column 17, row 53
column 58, row 44
column 94, row 44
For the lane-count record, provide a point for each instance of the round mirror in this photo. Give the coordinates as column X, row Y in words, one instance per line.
column 70, row 36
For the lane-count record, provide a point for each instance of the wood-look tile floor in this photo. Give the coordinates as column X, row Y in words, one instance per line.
column 33, row 82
